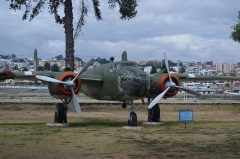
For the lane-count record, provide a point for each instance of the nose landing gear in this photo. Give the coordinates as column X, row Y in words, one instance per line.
column 132, row 120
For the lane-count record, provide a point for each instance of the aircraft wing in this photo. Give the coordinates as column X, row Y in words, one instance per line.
column 25, row 75
column 159, row 82
column 192, row 77
column 96, row 78
column 30, row 75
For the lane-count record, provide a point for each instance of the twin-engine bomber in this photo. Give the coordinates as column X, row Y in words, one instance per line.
column 120, row 81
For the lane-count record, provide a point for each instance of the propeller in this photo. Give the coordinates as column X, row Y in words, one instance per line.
column 167, row 67
column 157, row 99
column 190, row 91
column 69, row 84
column 49, row 79
column 75, row 102
column 170, row 85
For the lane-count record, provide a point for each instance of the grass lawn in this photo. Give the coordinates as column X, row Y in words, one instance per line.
column 215, row 133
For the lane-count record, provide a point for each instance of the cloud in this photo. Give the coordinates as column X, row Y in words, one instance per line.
column 182, row 46
column 187, row 30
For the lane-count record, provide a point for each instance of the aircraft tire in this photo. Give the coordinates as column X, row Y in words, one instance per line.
column 132, row 121
column 154, row 114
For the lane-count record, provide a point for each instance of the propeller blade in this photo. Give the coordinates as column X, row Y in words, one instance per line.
column 190, row 91
column 167, row 66
column 49, row 79
column 157, row 99
column 84, row 69
column 75, row 103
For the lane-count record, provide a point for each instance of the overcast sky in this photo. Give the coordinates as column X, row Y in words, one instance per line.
column 185, row 29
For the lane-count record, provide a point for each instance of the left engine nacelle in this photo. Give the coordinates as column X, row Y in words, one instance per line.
column 62, row 91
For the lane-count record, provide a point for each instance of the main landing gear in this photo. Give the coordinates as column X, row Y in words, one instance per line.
column 154, row 113
column 60, row 115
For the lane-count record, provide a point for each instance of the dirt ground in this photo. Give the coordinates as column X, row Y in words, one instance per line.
column 215, row 133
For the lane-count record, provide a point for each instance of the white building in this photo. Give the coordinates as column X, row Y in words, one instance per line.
column 147, row 69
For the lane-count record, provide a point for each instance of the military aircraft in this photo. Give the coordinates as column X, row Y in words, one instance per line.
column 120, row 81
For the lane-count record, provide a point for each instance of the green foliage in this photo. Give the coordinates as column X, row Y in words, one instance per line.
column 5, row 56
column 101, row 60
column 182, row 69
column 24, row 69
column 14, row 56
column 40, row 68
column 19, row 60
column 157, row 64
column 55, row 68
column 127, row 9
column 59, row 57
column 15, row 67
column 153, row 70
column 47, row 66
column 235, row 35
column 78, row 59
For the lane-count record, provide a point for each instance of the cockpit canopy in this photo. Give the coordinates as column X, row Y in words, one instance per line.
column 121, row 65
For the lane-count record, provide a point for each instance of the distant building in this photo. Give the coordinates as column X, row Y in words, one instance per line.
column 225, row 67
column 3, row 62
column 238, row 72
column 208, row 72
column 60, row 63
column 147, row 69
column 238, row 64
column 208, row 64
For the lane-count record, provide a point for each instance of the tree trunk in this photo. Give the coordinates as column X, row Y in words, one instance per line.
column 68, row 27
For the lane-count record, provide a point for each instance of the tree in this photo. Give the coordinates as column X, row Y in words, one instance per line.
column 154, row 69
column 47, row 66
column 13, row 56
column 24, row 69
column 15, row 67
column 235, row 35
column 127, row 9
column 40, row 68
column 78, row 59
column 101, row 60
column 55, row 68
column 59, row 57
column 181, row 68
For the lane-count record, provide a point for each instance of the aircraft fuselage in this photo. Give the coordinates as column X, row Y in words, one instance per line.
column 121, row 81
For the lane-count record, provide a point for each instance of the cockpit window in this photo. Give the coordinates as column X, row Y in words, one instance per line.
column 122, row 65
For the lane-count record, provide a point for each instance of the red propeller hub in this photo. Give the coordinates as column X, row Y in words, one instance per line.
column 163, row 84
column 63, row 89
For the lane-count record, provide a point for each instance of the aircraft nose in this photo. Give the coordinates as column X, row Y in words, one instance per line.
column 137, row 83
